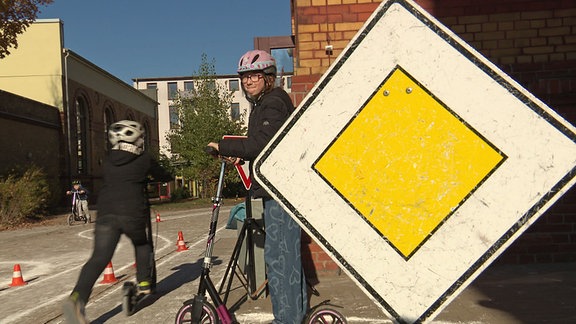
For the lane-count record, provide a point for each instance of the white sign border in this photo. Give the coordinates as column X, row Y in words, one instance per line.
column 488, row 68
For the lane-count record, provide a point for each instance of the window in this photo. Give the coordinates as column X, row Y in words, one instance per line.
column 188, row 86
column 108, row 120
column 172, row 90
column 289, row 82
column 211, row 84
column 188, row 90
column 174, row 117
column 81, row 136
column 279, row 82
column 284, row 59
column 234, row 85
column 152, row 85
column 235, row 111
column 281, row 48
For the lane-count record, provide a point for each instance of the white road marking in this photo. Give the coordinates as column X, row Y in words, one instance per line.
column 15, row 318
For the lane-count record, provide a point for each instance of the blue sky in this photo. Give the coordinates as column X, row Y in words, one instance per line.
column 140, row 39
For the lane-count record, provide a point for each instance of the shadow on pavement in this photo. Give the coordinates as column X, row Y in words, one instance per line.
column 541, row 293
column 182, row 274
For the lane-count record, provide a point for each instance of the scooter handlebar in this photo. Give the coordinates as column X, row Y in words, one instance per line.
column 214, row 152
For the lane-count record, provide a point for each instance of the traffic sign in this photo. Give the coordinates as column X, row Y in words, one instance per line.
column 415, row 161
column 242, row 168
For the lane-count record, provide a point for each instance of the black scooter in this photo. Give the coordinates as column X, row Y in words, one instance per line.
column 130, row 297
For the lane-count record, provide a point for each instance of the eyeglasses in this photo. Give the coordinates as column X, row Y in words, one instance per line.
column 253, row 77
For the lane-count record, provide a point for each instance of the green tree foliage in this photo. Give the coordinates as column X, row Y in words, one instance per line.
column 204, row 116
column 15, row 17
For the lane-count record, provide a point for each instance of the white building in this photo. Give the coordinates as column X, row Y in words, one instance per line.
column 168, row 89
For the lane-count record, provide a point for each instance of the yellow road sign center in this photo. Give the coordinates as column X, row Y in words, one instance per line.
column 405, row 162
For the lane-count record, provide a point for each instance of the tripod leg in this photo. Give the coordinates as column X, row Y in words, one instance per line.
column 233, row 263
column 250, row 267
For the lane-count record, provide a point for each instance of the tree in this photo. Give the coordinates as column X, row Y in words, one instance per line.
column 204, row 116
column 15, row 17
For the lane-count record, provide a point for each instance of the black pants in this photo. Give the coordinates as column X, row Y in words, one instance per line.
column 107, row 233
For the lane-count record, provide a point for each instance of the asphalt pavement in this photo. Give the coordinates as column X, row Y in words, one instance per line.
column 502, row 294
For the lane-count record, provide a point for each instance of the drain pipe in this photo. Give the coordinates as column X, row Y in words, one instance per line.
column 68, row 123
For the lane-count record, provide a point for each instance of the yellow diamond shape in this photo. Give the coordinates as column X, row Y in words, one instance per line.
column 405, row 162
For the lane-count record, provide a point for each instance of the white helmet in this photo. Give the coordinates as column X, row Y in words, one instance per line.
column 126, row 131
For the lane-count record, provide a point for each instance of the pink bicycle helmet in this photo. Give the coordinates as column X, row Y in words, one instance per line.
column 257, row 60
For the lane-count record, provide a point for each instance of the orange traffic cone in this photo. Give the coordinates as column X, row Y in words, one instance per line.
column 109, row 276
column 17, row 279
column 158, row 220
column 180, row 243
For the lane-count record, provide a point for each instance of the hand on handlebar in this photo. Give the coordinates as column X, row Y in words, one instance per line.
column 212, row 149
column 233, row 160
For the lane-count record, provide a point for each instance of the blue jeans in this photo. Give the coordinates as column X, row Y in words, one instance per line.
column 286, row 280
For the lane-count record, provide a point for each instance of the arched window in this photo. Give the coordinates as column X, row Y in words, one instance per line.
column 146, row 135
column 108, row 120
column 81, row 135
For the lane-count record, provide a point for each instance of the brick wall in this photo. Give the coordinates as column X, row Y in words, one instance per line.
column 534, row 41
column 31, row 134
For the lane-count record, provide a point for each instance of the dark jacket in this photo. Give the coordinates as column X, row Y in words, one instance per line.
column 266, row 117
column 125, row 178
column 82, row 192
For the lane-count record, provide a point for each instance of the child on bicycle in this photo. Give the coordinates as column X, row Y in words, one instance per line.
column 123, row 208
column 81, row 199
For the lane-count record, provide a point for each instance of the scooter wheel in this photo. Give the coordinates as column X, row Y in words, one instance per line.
column 325, row 315
column 208, row 316
column 129, row 298
column 70, row 220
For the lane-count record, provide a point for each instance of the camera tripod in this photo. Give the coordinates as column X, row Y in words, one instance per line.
column 251, row 233
column 199, row 310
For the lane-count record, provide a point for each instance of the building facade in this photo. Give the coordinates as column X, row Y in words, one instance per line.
column 168, row 89
column 531, row 40
column 87, row 98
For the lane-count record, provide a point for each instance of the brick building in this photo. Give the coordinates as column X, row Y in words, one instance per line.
column 534, row 41
column 42, row 74
column 31, row 135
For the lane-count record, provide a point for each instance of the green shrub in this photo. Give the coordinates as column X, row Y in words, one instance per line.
column 180, row 193
column 23, row 196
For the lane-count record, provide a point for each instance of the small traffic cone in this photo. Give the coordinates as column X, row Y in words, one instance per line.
column 158, row 220
column 17, row 279
column 109, row 276
column 180, row 243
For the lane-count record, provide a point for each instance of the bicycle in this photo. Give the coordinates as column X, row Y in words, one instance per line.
column 75, row 216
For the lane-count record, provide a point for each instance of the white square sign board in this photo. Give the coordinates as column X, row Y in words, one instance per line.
column 415, row 162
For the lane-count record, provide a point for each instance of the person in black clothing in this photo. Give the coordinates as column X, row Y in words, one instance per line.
column 123, row 208
column 271, row 107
